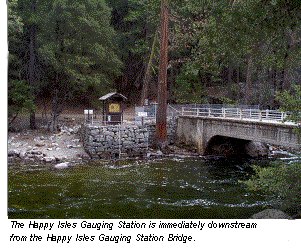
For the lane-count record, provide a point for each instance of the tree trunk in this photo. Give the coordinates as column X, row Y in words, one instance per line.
column 56, row 110
column 44, row 112
column 291, row 46
column 249, row 91
column 161, row 125
column 230, row 74
column 32, row 120
column 57, row 106
column 147, row 75
column 32, row 64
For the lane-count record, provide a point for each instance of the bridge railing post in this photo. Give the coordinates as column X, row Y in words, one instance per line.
column 209, row 112
column 260, row 115
column 197, row 112
column 240, row 114
column 282, row 117
column 223, row 112
column 182, row 111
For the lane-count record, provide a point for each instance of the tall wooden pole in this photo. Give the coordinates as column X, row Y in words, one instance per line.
column 161, row 130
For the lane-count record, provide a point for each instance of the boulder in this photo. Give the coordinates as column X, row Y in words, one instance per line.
column 270, row 214
column 256, row 149
column 62, row 165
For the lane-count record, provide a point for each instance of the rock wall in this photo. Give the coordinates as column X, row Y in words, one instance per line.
column 111, row 141
column 171, row 132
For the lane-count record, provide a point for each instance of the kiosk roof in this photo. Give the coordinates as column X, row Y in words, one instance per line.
column 111, row 95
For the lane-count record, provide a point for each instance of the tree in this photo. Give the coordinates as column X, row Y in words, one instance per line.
column 136, row 23
column 291, row 102
column 29, row 11
column 161, row 117
column 253, row 43
column 280, row 181
column 19, row 94
column 77, row 45
column 19, row 99
column 15, row 32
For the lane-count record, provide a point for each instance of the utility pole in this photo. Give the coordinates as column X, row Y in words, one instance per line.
column 161, row 124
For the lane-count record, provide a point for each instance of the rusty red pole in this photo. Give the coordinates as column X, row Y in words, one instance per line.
column 161, row 123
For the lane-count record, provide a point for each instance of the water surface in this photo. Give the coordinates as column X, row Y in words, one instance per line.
column 166, row 188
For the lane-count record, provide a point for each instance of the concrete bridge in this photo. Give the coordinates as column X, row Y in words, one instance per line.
column 202, row 130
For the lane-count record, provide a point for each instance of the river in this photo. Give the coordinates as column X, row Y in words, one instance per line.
column 162, row 188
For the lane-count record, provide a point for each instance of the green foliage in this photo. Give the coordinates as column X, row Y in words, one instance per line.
column 282, row 181
column 15, row 31
column 188, row 88
column 211, row 42
column 291, row 101
column 14, row 22
column 228, row 101
column 234, row 31
column 78, row 42
column 20, row 99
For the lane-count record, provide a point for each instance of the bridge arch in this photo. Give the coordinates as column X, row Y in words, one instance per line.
column 226, row 146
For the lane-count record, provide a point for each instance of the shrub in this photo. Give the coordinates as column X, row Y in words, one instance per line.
column 281, row 181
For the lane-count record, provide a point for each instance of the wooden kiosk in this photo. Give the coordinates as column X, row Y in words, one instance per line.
column 112, row 108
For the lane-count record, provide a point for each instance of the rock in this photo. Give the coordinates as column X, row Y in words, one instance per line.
column 35, row 152
column 40, row 144
column 256, row 149
column 13, row 153
column 49, row 159
column 270, row 214
column 22, row 154
column 62, row 165
column 159, row 153
column 50, row 149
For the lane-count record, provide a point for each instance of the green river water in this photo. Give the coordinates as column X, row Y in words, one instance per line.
column 163, row 188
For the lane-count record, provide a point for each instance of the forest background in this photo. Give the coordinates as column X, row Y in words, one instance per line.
column 65, row 53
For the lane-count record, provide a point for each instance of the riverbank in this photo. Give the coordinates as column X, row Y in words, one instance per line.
column 45, row 147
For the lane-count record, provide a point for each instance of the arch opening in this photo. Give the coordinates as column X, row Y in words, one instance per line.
column 234, row 147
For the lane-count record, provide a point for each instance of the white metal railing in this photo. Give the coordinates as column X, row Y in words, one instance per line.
column 237, row 113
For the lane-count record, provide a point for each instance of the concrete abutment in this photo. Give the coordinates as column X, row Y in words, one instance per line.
column 203, row 133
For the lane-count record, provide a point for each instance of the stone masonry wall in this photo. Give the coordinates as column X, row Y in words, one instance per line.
column 171, row 132
column 106, row 142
